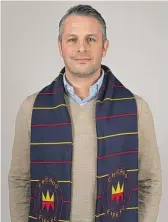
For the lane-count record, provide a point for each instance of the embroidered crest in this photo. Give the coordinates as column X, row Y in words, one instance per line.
column 48, row 200
column 117, row 193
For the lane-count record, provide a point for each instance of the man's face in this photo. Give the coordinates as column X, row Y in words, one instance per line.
column 82, row 39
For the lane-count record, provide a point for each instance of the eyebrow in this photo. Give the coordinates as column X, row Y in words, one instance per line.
column 69, row 35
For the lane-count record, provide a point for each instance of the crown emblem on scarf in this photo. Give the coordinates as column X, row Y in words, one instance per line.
column 117, row 193
column 48, row 201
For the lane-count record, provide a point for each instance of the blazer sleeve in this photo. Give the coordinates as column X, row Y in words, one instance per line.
column 150, row 175
column 19, row 173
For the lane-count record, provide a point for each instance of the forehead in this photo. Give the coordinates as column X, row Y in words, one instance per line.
column 81, row 24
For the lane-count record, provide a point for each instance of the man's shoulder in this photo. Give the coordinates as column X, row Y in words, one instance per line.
column 28, row 102
column 31, row 98
column 138, row 99
column 142, row 105
column 27, row 105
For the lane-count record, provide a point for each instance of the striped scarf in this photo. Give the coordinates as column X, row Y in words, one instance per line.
column 117, row 153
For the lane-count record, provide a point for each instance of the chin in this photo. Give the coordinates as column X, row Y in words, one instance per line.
column 81, row 70
column 82, row 73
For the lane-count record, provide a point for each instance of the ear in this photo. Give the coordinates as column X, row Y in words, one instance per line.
column 105, row 47
column 60, row 47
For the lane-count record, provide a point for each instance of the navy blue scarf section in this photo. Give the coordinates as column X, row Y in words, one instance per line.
column 117, row 154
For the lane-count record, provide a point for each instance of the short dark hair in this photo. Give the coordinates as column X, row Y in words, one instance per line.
column 84, row 10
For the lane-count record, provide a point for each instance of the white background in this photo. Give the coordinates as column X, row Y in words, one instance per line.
column 138, row 56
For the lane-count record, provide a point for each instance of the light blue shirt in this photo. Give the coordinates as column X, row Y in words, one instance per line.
column 94, row 89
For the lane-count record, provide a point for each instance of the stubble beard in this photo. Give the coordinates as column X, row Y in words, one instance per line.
column 82, row 74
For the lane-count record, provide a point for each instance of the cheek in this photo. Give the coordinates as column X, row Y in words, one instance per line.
column 97, row 50
column 97, row 54
column 68, row 52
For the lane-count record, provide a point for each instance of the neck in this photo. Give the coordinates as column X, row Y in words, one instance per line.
column 82, row 85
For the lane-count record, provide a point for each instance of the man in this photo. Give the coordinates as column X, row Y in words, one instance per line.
column 85, row 147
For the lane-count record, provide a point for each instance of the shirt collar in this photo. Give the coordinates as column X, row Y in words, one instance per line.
column 69, row 88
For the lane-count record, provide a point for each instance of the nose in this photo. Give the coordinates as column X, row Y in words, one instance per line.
column 82, row 47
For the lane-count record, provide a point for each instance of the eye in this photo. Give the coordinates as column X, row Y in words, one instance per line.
column 91, row 39
column 71, row 40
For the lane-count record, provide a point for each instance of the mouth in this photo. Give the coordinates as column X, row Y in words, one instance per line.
column 83, row 60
